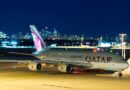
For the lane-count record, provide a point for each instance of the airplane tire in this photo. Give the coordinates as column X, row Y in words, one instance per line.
column 120, row 75
column 39, row 66
column 70, row 69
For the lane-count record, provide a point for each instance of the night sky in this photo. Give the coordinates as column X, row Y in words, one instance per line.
column 88, row 17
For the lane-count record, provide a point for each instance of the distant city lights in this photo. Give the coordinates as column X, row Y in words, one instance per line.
column 105, row 44
column 14, row 43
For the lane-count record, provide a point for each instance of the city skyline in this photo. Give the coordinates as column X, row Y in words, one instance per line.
column 90, row 18
column 55, row 35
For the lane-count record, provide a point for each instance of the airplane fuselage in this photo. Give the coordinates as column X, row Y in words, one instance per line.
column 99, row 60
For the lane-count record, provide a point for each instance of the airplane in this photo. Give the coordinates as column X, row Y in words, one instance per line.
column 68, row 61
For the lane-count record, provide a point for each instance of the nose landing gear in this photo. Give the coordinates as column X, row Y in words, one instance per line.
column 119, row 74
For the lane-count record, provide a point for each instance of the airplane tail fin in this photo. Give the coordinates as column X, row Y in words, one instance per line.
column 38, row 41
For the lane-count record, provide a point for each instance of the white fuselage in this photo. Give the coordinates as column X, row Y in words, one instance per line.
column 99, row 60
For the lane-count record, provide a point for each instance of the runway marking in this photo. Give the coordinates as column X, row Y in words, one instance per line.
column 57, row 86
column 65, row 87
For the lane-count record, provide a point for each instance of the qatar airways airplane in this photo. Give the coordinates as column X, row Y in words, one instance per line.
column 68, row 61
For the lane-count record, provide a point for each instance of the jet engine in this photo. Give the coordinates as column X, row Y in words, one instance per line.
column 65, row 68
column 34, row 66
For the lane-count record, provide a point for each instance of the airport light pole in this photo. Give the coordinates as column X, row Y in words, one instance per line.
column 123, row 44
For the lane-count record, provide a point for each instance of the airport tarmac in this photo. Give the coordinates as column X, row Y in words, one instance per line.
column 18, row 77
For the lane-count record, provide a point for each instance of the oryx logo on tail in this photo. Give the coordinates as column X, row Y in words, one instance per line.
column 39, row 43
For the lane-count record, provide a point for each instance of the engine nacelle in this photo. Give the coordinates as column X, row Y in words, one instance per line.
column 65, row 68
column 34, row 66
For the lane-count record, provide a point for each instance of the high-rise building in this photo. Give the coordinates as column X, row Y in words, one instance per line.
column 3, row 35
column 20, row 35
column 27, row 36
column 14, row 36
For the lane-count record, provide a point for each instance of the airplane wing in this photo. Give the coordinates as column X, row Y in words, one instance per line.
column 27, row 58
column 14, row 57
